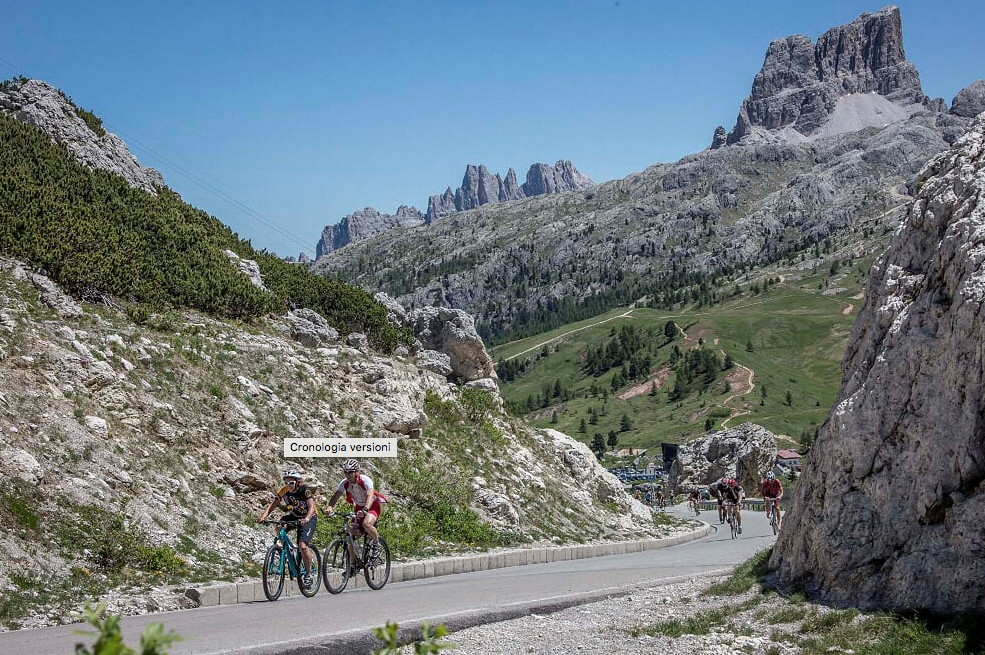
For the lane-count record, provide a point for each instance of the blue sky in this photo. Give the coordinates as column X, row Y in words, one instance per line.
column 281, row 118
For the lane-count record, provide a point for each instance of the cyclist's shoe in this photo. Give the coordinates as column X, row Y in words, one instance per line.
column 740, row 529
column 307, row 580
column 374, row 551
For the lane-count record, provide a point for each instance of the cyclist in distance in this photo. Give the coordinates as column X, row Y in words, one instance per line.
column 695, row 498
column 358, row 490
column 734, row 494
column 716, row 490
column 773, row 491
column 299, row 499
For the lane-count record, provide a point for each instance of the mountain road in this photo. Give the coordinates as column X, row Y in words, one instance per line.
column 343, row 623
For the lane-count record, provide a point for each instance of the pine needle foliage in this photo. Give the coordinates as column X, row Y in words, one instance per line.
column 99, row 238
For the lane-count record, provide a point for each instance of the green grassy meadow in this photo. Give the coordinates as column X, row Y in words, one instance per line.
column 791, row 337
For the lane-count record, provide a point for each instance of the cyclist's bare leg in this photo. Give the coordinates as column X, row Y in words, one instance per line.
column 306, row 554
column 369, row 525
column 738, row 516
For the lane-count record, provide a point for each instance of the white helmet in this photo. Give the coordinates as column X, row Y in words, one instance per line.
column 350, row 465
column 770, row 475
column 293, row 473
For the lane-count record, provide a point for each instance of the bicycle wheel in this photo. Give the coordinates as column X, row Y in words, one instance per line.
column 315, row 573
column 335, row 566
column 273, row 573
column 376, row 570
column 734, row 525
column 775, row 519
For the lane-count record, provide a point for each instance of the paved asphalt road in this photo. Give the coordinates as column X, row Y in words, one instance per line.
column 328, row 624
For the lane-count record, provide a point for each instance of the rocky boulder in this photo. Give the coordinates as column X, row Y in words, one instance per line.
column 745, row 452
column 310, row 328
column 37, row 103
column 888, row 512
column 447, row 338
column 970, row 101
column 452, row 331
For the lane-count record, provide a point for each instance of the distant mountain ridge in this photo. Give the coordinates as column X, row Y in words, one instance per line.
column 788, row 177
column 479, row 187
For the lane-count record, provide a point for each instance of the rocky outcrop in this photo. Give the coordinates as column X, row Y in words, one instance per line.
column 310, row 328
column 801, row 82
column 361, row 224
column 34, row 102
column 480, row 187
column 970, row 101
column 744, row 452
column 448, row 340
column 888, row 512
column 560, row 178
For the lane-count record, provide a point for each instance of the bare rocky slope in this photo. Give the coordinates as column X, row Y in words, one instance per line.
column 774, row 191
column 176, row 426
column 889, row 510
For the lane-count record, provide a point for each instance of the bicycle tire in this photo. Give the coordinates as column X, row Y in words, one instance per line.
column 273, row 573
column 335, row 566
column 308, row 592
column 774, row 519
column 377, row 570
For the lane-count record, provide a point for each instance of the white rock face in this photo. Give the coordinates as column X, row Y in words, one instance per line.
column 37, row 103
column 889, row 510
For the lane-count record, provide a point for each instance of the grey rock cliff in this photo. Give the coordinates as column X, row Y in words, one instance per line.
column 801, row 83
column 480, row 187
column 361, row 224
column 50, row 110
column 888, row 512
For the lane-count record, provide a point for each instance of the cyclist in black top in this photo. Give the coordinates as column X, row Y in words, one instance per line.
column 734, row 494
column 716, row 489
column 299, row 500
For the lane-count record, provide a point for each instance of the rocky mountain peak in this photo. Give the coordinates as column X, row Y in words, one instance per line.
column 888, row 511
column 47, row 108
column 480, row 187
column 363, row 223
column 805, row 86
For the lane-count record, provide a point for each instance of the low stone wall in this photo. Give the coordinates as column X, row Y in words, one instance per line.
column 248, row 592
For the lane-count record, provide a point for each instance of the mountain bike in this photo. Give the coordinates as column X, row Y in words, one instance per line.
column 282, row 558
column 773, row 513
column 731, row 519
column 696, row 506
column 337, row 566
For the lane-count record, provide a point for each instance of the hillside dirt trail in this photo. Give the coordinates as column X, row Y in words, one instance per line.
column 740, row 379
column 561, row 337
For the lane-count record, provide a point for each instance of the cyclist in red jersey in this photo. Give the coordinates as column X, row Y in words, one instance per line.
column 772, row 491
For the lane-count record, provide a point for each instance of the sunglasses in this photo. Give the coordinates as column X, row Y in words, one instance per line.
column 291, row 481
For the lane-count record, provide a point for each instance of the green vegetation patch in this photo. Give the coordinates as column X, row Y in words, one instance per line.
column 744, row 576
column 97, row 237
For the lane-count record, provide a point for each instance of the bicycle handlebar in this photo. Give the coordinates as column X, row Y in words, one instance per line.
column 287, row 524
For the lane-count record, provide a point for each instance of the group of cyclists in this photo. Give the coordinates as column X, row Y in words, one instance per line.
column 298, row 500
column 728, row 492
